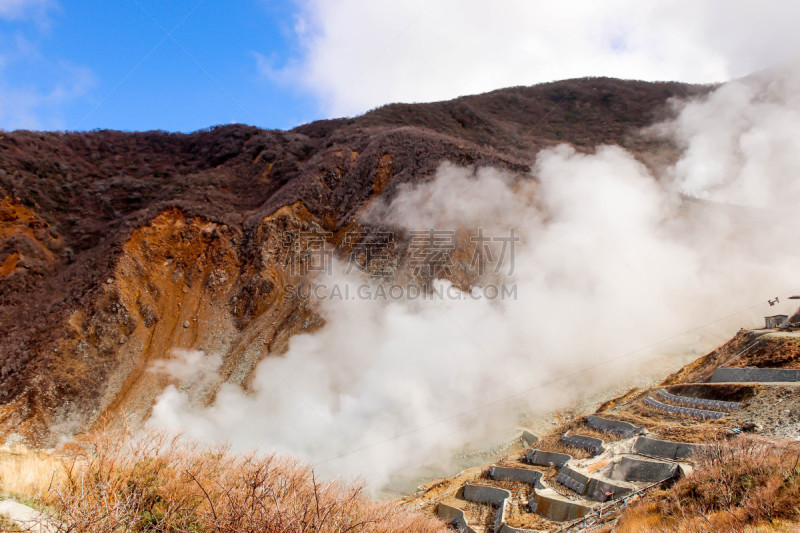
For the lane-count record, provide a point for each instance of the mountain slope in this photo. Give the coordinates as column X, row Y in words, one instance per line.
column 117, row 247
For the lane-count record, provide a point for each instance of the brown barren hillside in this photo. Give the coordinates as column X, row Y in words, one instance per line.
column 117, row 247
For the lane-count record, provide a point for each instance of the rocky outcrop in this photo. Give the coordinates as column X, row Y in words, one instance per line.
column 194, row 219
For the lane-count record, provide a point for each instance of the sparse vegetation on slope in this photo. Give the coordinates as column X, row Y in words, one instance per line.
column 745, row 478
column 113, row 482
column 737, row 485
column 80, row 209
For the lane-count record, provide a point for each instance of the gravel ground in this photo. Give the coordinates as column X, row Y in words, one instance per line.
column 775, row 411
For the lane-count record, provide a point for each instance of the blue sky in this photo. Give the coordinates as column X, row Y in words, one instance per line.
column 148, row 64
column 189, row 64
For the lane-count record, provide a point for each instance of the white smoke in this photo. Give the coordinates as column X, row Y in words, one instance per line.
column 613, row 268
column 189, row 367
column 741, row 142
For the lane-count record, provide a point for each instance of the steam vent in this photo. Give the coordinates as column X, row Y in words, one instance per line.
column 309, row 267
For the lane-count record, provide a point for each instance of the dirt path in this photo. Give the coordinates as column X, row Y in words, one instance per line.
column 30, row 520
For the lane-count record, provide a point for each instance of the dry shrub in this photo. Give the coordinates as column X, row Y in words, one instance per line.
column 737, row 485
column 164, row 484
column 7, row 526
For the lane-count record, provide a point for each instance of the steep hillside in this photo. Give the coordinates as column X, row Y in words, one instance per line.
column 694, row 453
column 116, row 247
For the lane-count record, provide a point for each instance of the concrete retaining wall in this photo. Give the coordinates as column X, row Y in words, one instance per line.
column 603, row 491
column 591, row 444
column 529, row 438
column 523, row 475
column 633, row 469
column 543, row 458
column 556, row 509
column 574, row 481
column 684, row 411
column 484, row 494
column 697, row 403
column 755, row 375
column 505, row 528
column 491, row 496
column 455, row 517
column 665, row 448
column 593, row 488
column 623, row 429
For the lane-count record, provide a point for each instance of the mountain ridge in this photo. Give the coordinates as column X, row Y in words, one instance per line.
column 85, row 304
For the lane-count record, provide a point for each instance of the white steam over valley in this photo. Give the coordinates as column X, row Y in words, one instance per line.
column 613, row 267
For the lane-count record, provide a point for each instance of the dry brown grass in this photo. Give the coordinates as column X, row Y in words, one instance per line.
column 155, row 483
column 743, row 485
column 673, row 427
column 618, row 401
column 780, row 352
column 7, row 526
column 701, row 369
column 27, row 473
column 664, row 426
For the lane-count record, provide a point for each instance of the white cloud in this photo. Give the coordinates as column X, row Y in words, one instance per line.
column 35, row 10
column 35, row 88
column 359, row 54
column 40, row 104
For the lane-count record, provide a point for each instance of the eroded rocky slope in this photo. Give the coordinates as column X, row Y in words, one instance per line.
column 117, row 247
